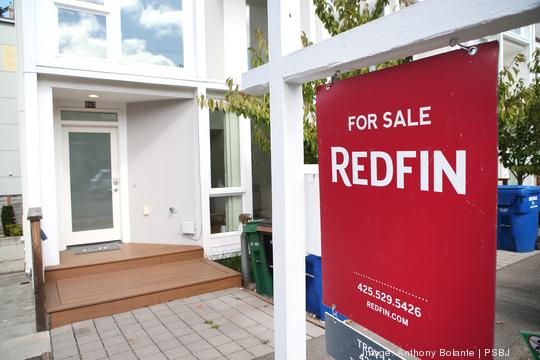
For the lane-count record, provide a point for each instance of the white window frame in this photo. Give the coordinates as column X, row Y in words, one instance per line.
column 244, row 190
column 91, row 9
column 48, row 43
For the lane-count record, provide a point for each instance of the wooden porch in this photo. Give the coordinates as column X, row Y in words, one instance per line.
column 104, row 283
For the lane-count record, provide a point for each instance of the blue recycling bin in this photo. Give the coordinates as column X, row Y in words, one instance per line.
column 314, row 302
column 517, row 217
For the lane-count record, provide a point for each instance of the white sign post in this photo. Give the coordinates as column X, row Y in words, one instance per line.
column 287, row 186
column 426, row 26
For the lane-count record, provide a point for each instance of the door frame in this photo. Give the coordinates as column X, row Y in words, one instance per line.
column 91, row 236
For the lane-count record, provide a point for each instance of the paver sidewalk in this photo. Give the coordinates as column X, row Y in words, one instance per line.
column 228, row 324
column 505, row 258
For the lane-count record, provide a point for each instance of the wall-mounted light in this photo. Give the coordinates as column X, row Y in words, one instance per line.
column 93, row 96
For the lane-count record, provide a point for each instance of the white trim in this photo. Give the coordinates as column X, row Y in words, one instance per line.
column 123, row 173
column 47, row 163
column 106, row 85
column 515, row 38
column 226, row 234
column 226, row 191
column 84, row 6
column 245, row 163
column 117, row 72
column 203, row 115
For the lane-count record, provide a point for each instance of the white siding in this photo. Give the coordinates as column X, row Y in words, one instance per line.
column 10, row 168
column 163, row 170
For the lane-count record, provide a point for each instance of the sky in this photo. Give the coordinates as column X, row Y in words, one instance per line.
column 151, row 32
column 82, row 34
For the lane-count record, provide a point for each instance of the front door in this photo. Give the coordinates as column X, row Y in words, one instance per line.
column 91, row 184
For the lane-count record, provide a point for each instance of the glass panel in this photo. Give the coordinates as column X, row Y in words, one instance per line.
column 224, row 149
column 7, row 10
column 81, row 34
column 90, row 176
column 224, row 213
column 88, row 116
column 152, row 32
column 261, row 180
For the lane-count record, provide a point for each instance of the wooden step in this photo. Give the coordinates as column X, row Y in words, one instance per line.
column 132, row 255
column 91, row 296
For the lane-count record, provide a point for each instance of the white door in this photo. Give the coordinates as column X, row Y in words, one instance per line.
column 91, row 183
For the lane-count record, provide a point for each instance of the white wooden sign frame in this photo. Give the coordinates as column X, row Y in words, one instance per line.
column 426, row 26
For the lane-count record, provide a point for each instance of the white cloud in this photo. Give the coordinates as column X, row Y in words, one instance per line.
column 161, row 19
column 131, row 5
column 85, row 38
column 134, row 50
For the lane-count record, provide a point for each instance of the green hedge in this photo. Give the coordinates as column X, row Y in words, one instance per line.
column 8, row 218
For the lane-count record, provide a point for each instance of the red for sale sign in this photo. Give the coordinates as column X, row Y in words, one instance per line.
column 408, row 186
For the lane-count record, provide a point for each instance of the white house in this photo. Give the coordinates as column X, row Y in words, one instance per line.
column 113, row 144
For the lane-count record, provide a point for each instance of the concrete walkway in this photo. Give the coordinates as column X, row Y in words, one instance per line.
column 229, row 324
column 517, row 305
column 233, row 324
column 505, row 258
column 18, row 337
column 16, row 306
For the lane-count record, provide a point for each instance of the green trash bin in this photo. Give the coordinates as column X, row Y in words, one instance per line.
column 259, row 264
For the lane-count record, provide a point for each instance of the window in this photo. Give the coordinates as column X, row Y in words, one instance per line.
column 225, row 149
column 81, row 34
column 152, row 32
column 224, row 211
column 87, row 116
column 226, row 193
column 6, row 9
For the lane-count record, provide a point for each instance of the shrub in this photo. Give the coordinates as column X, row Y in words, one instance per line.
column 13, row 230
column 8, row 218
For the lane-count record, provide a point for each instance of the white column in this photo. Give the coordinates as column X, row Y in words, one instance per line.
column 235, row 37
column 200, row 36
column 28, row 115
column 287, row 186
column 47, row 159
column 29, row 152
column 203, row 118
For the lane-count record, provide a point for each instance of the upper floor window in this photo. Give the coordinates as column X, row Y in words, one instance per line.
column 6, row 9
column 152, row 32
column 81, row 33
